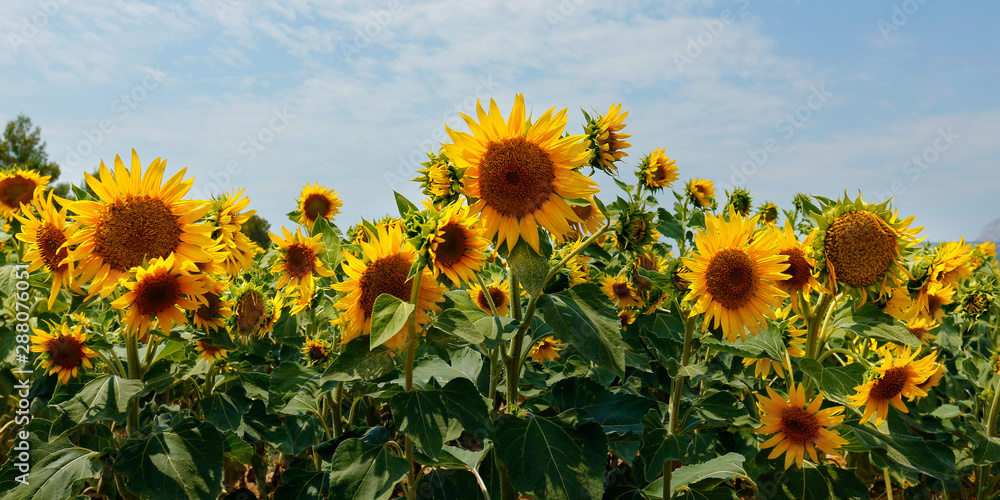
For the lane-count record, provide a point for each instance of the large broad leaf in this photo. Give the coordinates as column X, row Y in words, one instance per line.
column 225, row 410
column 619, row 413
column 987, row 449
column 296, row 389
column 303, row 483
column 908, row 452
column 389, row 315
column 359, row 361
column 425, row 416
column 583, row 316
column 659, row 446
column 811, row 483
column 728, row 466
column 364, row 469
column 290, row 434
column 554, row 458
column 835, row 382
column 528, row 266
column 104, row 398
column 443, row 484
column 869, row 322
column 182, row 462
column 56, row 475
column 457, row 323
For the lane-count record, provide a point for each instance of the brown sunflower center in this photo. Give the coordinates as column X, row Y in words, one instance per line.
column 621, row 290
column 16, row 190
column 934, row 303
column 626, row 318
column 732, row 278
column 208, row 349
column 891, row 384
column 385, row 275
column 975, row 303
column 679, row 282
column 249, row 312
column 300, row 260
column 50, row 238
column 317, row 352
column 155, row 293
column 798, row 268
column 861, row 247
column 660, row 171
column 515, row 177
column 133, row 229
column 496, row 295
column 584, row 212
column 316, row 205
column 799, row 425
column 449, row 252
column 209, row 311
column 66, row 351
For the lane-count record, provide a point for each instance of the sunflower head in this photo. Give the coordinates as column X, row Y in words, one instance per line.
column 701, row 193
column 606, row 139
column 209, row 352
column 440, row 179
column 45, row 234
column 590, row 215
column 226, row 218
column 627, row 317
column 768, row 213
column 657, row 170
column 798, row 427
column 620, row 291
column 739, row 200
column 299, row 262
column 249, row 310
column 63, row 349
column 214, row 312
column 17, row 187
column 316, row 350
column 160, row 294
column 574, row 272
column 977, row 302
column 316, row 202
column 634, row 230
column 862, row 247
column 675, row 269
column 496, row 291
column 895, row 377
column 546, row 349
column 457, row 243
column 921, row 328
column 801, row 264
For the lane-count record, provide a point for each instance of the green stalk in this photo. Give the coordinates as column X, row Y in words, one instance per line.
column 991, row 414
column 335, row 404
column 676, row 390
column 411, row 352
column 813, row 325
column 132, row 350
column 888, row 484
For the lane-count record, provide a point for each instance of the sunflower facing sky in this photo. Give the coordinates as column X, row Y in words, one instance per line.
column 520, row 173
column 499, row 292
column 734, row 275
column 458, row 249
column 382, row 267
column 895, row 377
column 63, row 350
column 799, row 428
column 45, row 235
column 138, row 218
column 317, row 202
column 298, row 260
column 161, row 292
column 18, row 187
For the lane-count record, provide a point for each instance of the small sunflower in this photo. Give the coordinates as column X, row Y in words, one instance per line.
column 634, row 229
column 799, row 428
column 591, row 216
column 574, row 272
column 801, row 264
column 627, row 317
column 64, row 351
column 137, row 219
column 607, row 142
column 546, row 349
column 298, row 262
column 317, row 202
column 768, row 213
column 657, row 170
column 215, row 311
column 458, row 249
column 521, row 173
column 45, row 235
column 950, row 263
column 383, row 267
column 734, row 275
column 921, row 328
column 228, row 214
column 739, row 200
column 976, row 302
column 676, row 270
column 160, row 292
column 701, row 192
column 931, row 299
column 18, row 187
column 895, row 377
column 440, row 179
column 620, row 291
column 249, row 311
column 316, row 350
column 209, row 352
column 499, row 292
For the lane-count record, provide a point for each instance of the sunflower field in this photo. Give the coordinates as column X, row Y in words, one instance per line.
column 514, row 335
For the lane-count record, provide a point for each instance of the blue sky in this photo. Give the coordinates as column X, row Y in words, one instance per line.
column 887, row 97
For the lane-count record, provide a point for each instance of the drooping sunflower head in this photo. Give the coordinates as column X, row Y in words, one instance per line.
column 440, row 179
column 950, row 263
column 226, row 217
column 45, row 234
column 18, row 186
column 160, row 294
column 249, row 310
column 701, row 193
column 932, row 299
column 799, row 428
column 606, row 139
column 921, row 328
column 497, row 291
column 894, row 377
column 734, row 275
column 458, row 246
column 739, row 200
column 63, row 349
column 520, row 173
column 383, row 267
column 316, row 350
column 209, row 352
column 675, row 269
column 215, row 311
column 862, row 246
column 298, row 262
column 634, row 229
column 138, row 218
column 977, row 302
column 316, row 202
column 546, row 349
column 657, row 170
column 768, row 213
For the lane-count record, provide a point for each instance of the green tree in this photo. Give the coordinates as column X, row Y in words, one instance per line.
column 256, row 228
column 22, row 146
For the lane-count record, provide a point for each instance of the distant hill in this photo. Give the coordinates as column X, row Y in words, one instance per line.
column 991, row 232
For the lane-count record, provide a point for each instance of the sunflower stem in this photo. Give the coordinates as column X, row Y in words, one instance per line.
column 514, row 356
column 486, row 293
column 132, row 350
column 991, row 415
column 112, row 366
column 676, row 390
column 888, row 483
column 813, row 325
column 847, row 352
column 335, row 408
column 411, row 352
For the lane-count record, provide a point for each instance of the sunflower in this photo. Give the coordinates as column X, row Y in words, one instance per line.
column 921, row 328
column 215, row 311
column 18, row 187
column 160, row 292
column 950, row 263
column 440, row 179
column 799, row 428
column 209, row 352
column 546, row 349
column 931, row 299
column 249, row 312
column 499, row 292
column 521, row 173
column 976, row 302
column 657, row 170
column 45, row 235
column 676, row 270
column 64, row 351
column 383, row 267
column 591, row 216
column 229, row 216
column 768, row 213
column 607, row 142
column 137, row 219
column 620, row 291
column 574, row 272
column 739, row 200
column 317, row 202
column 863, row 246
column 458, row 249
column 801, row 264
column 298, row 260
column 733, row 275
column 627, row 317
column 316, row 350
column 701, row 192
column 895, row 377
